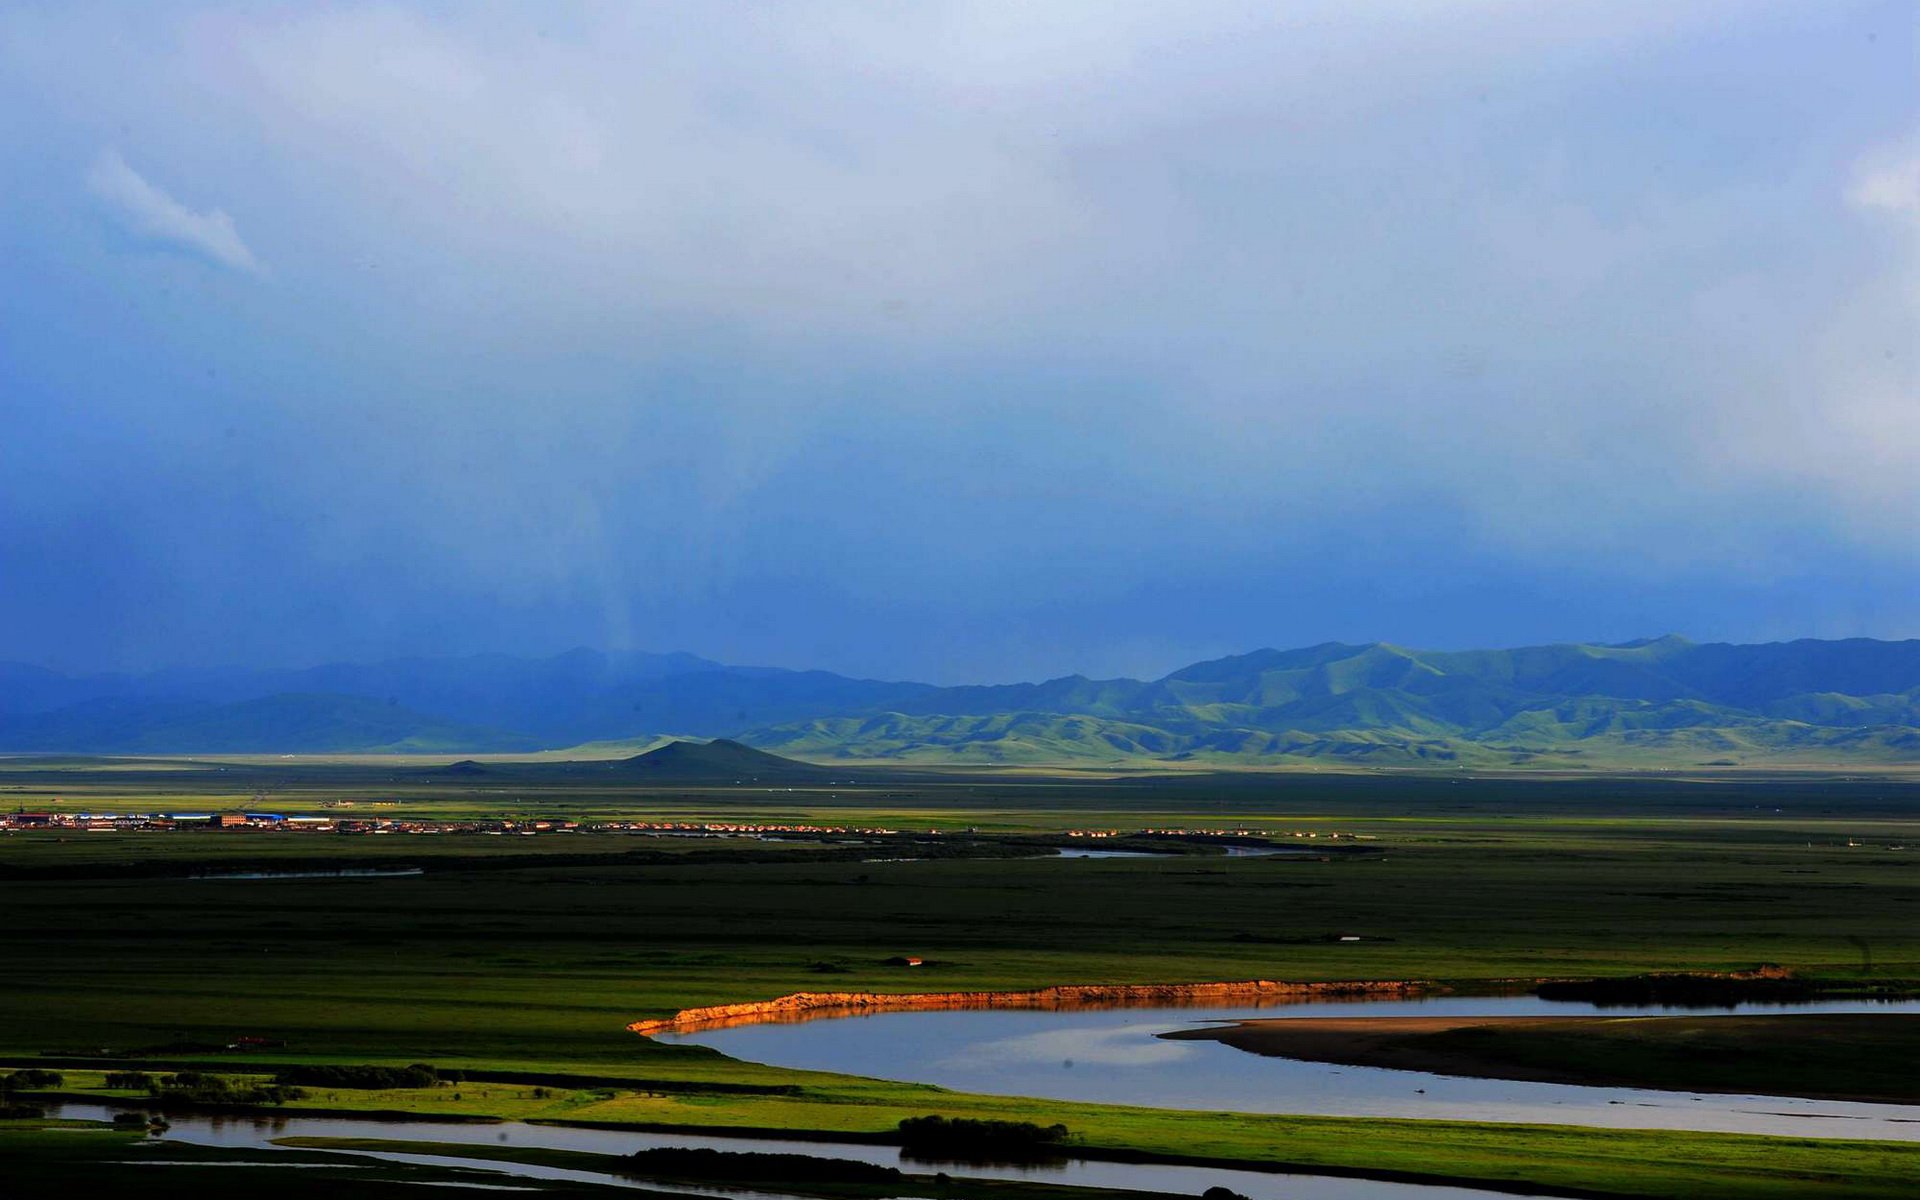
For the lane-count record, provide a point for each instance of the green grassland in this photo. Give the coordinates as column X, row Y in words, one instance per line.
column 1854, row 1055
column 1624, row 734
column 1029, row 798
column 534, row 968
column 1624, row 1163
column 1840, row 1056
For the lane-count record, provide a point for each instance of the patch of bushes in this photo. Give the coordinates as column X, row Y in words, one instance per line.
column 31, row 1077
column 367, row 1078
column 133, row 1081
column 198, row 1087
column 679, row 1163
column 1681, row 990
column 139, row 1120
column 974, row 1138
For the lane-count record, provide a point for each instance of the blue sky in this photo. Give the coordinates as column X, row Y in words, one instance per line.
column 959, row 342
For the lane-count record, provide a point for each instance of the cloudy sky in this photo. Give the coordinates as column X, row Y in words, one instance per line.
column 953, row 341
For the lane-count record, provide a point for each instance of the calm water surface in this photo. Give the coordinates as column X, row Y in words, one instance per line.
column 259, row 1133
column 1114, row 1057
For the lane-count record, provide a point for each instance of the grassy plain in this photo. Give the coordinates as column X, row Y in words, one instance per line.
column 533, row 969
column 1546, row 1158
column 1841, row 1056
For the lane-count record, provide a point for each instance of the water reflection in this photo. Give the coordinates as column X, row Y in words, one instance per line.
column 214, row 1130
column 1114, row 1056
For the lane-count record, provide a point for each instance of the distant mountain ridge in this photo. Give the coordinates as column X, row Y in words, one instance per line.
column 1664, row 697
column 287, row 723
column 1657, row 699
column 497, row 701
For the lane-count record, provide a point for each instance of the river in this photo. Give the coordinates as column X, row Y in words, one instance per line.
column 1113, row 1056
column 260, row 1133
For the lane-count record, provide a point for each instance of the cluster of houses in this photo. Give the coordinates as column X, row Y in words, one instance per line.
column 280, row 822
column 1221, row 833
column 733, row 829
column 94, row 822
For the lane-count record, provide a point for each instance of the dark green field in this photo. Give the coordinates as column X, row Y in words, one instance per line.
column 528, row 956
column 1841, row 1056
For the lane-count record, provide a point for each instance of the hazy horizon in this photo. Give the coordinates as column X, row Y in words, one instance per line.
column 965, row 343
column 1145, row 675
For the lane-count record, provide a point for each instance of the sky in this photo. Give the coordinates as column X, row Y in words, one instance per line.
column 959, row 342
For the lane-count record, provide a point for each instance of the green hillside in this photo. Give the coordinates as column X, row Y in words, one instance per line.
column 1666, row 701
column 720, row 760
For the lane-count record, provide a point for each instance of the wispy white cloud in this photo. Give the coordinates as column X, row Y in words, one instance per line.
column 1888, row 180
column 148, row 212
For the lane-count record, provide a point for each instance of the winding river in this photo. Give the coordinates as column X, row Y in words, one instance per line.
column 1113, row 1056
column 261, row 1133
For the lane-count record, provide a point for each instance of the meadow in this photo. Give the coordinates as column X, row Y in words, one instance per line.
column 521, row 960
column 1851, row 1056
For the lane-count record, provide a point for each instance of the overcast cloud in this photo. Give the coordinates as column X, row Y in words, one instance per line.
column 957, row 341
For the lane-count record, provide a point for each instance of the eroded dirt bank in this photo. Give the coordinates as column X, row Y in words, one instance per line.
column 807, row 1006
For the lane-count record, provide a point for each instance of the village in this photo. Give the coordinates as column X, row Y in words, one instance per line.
column 259, row 821
column 271, row 822
column 1186, row 832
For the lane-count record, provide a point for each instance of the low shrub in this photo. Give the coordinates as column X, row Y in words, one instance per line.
column 366, row 1078
column 198, row 1087
column 965, row 1135
column 1681, row 990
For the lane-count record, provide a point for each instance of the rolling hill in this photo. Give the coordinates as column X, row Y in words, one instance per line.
column 717, row 761
column 1660, row 701
column 498, row 701
column 1665, row 699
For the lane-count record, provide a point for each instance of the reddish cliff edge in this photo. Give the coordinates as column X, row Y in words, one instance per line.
column 806, row 1006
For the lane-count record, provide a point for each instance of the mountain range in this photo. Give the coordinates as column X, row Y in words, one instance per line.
column 1665, row 700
